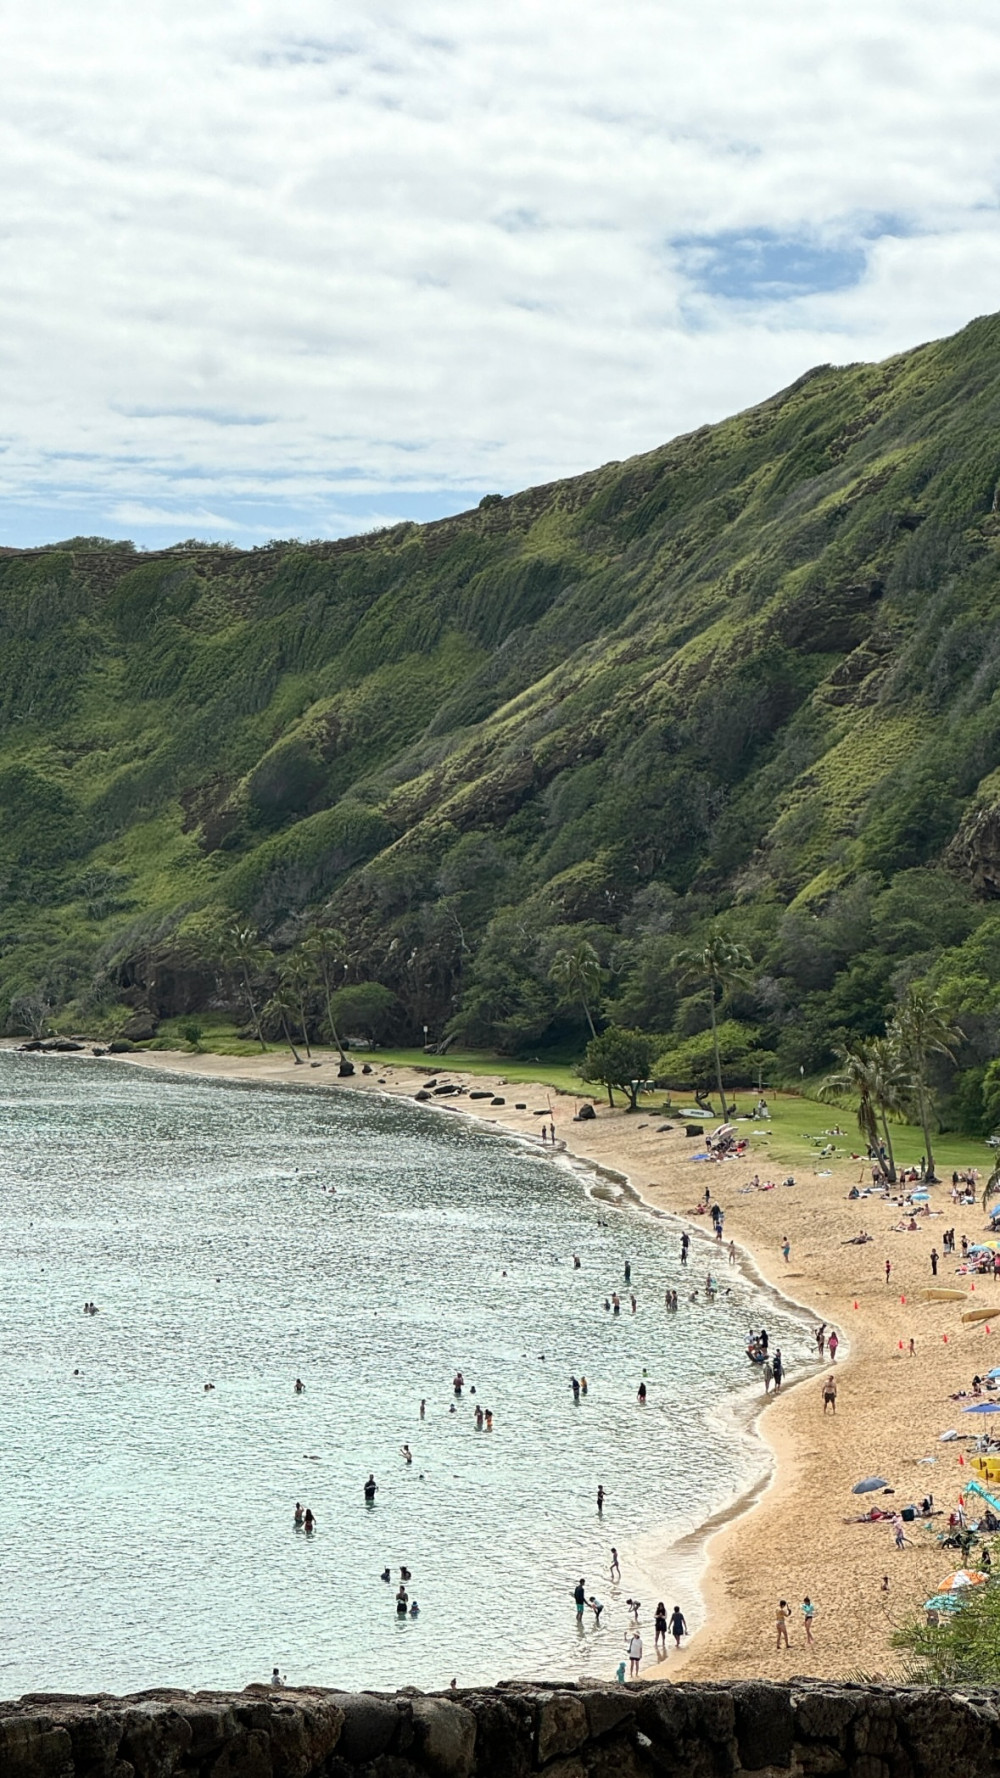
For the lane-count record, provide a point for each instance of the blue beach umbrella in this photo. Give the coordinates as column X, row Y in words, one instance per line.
column 995, row 1372
column 983, row 1407
column 943, row 1602
column 870, row 1483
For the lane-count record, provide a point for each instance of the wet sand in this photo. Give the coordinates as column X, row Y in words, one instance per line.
column 792, row 1540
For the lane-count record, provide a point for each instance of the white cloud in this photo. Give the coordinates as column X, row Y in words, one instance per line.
column 258, row 258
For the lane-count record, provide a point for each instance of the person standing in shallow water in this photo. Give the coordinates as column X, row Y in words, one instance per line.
column 371, row 1489
column 678, row 1626
column 660, row 1625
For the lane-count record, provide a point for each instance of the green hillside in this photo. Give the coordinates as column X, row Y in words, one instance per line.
column 754, row 673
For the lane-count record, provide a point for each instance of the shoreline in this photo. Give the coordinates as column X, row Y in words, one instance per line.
column 789, row 1533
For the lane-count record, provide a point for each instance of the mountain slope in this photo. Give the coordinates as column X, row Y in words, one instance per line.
column 753, row 670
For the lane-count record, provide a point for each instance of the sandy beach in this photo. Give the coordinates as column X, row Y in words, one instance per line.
column 795, row 1539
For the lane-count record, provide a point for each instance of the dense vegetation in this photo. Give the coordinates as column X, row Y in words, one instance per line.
column 526, row 762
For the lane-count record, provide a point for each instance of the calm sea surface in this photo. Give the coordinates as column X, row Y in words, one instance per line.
column 246, row 1236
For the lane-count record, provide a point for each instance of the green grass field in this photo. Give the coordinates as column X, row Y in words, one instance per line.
column 799, row 1125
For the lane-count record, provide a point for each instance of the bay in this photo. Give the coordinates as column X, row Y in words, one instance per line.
column 246, row 1236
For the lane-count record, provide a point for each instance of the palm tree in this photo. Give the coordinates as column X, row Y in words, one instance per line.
column 323, row 951
column 992, row 1185
column 281, row 1006
column 891, row 1086
column 243, row 953
column 578, row 975
column 921, row 1030
column 721, row 965
column 856, row 1076
column 296, row 983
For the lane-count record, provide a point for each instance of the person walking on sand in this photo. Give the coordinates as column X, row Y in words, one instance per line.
column 786, row 1248
column 633, row 1642
column 934, row 1262
column 807, row 1617
column 888, row 1270
column 832, row 1343
column 784, row 1613
column 660, row 1625
column 830, row 1395
column 677, row 1626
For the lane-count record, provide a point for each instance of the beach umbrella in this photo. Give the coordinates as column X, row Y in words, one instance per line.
column 995, row 1372
column 943, row 1602
column 983, row 1407
column 964, row 1577
column 869, row 1484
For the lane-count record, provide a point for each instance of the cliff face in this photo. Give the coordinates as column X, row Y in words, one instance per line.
column 801, row 1729
column 759, row 666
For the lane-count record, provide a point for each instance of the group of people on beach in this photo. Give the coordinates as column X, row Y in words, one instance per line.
column 675, row 1625
column 784, row 1613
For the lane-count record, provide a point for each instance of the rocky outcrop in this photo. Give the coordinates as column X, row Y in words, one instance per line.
column 975, row 850
column 804, row 1729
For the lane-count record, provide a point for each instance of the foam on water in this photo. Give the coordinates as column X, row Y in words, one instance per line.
column 147, row 1524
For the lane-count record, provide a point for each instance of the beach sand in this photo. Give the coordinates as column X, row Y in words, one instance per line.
column 891, row 1407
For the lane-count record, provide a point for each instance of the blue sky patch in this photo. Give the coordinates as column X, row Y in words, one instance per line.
column 760, row 265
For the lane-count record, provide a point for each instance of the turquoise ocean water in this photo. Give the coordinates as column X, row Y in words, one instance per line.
column 147, row 1527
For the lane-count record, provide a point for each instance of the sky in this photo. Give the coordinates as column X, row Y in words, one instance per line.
column 305, row 269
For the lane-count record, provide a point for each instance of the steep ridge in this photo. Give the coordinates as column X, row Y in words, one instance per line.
column 754, row 671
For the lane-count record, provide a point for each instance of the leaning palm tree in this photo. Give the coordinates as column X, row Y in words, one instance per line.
column 892, row 1085
column 992, row 1186
column 244, row 955
column 855, row 1077
column 921, row 1030
column 297, row 981
column 281, row 1007
column 578, row 975
column 323, row 951
column 720, row 965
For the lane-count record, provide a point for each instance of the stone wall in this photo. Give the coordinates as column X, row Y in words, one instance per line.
column 585, row 1731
